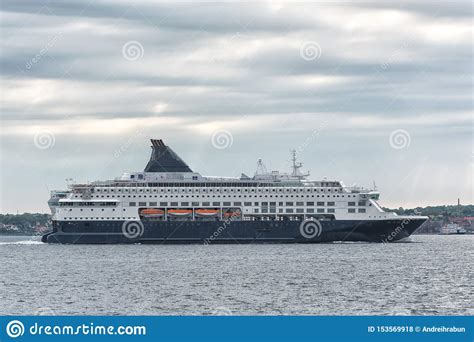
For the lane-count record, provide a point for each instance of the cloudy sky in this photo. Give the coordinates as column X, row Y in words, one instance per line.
column 365, row 91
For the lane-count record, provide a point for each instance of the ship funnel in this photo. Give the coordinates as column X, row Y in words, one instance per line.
column 164, row 159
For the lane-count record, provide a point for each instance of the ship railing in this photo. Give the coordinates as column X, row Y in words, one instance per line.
column 359, row 189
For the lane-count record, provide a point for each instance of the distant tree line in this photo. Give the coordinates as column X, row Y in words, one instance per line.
column 439, row 215
column 438, row 212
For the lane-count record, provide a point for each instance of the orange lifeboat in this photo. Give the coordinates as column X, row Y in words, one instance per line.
column 152, row 212
column 207, row 212
column 179, row 212
column 232, row 214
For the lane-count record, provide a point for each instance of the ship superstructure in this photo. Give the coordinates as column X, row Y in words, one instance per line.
column 170, row 203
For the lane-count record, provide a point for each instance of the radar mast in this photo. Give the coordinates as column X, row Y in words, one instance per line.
column 296, row 167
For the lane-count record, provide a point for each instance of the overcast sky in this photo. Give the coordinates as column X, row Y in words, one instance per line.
column 365, row 91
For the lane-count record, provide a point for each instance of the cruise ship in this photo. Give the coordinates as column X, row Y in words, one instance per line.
column 169, row 203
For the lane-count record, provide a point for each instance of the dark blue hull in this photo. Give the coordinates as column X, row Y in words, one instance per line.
column 210, row 232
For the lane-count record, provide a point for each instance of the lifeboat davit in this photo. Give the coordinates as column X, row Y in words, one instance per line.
column 179, row 212
column 150, row 212
column 207, row 212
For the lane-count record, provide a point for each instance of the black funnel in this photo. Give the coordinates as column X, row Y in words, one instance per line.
column 163, row 159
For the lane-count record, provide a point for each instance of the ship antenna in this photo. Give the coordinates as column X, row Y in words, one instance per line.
column 261, row 169
column 297, row 166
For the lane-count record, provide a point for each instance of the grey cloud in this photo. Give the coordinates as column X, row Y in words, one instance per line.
column 231, row 64
column 456, row 8
column 213, row 16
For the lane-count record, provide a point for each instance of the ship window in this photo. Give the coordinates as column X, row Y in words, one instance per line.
column 289, row 204
column 351, row 211
column 362, row 203
column 289, row 210
column 206, row 204
column 238, row 203
column 331, row 210
column 320, row 210
column 310, row 210
column 320, row 204
column 163, row 204
column 132, row 204
column 174, row 204
column 351, row 204
column 184, row 204
column 195, row 204
column 310, row 204
column 248, row 204
column 265, row 203
column 331, row 204
column 152, row 204
column 299, row 204
column 300, row 210
column 142, row 204
column 216, row 204
column 227, row 204
column 256, row 210
column 361, row 210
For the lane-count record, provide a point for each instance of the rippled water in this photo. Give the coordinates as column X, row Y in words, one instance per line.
column 429, row 275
